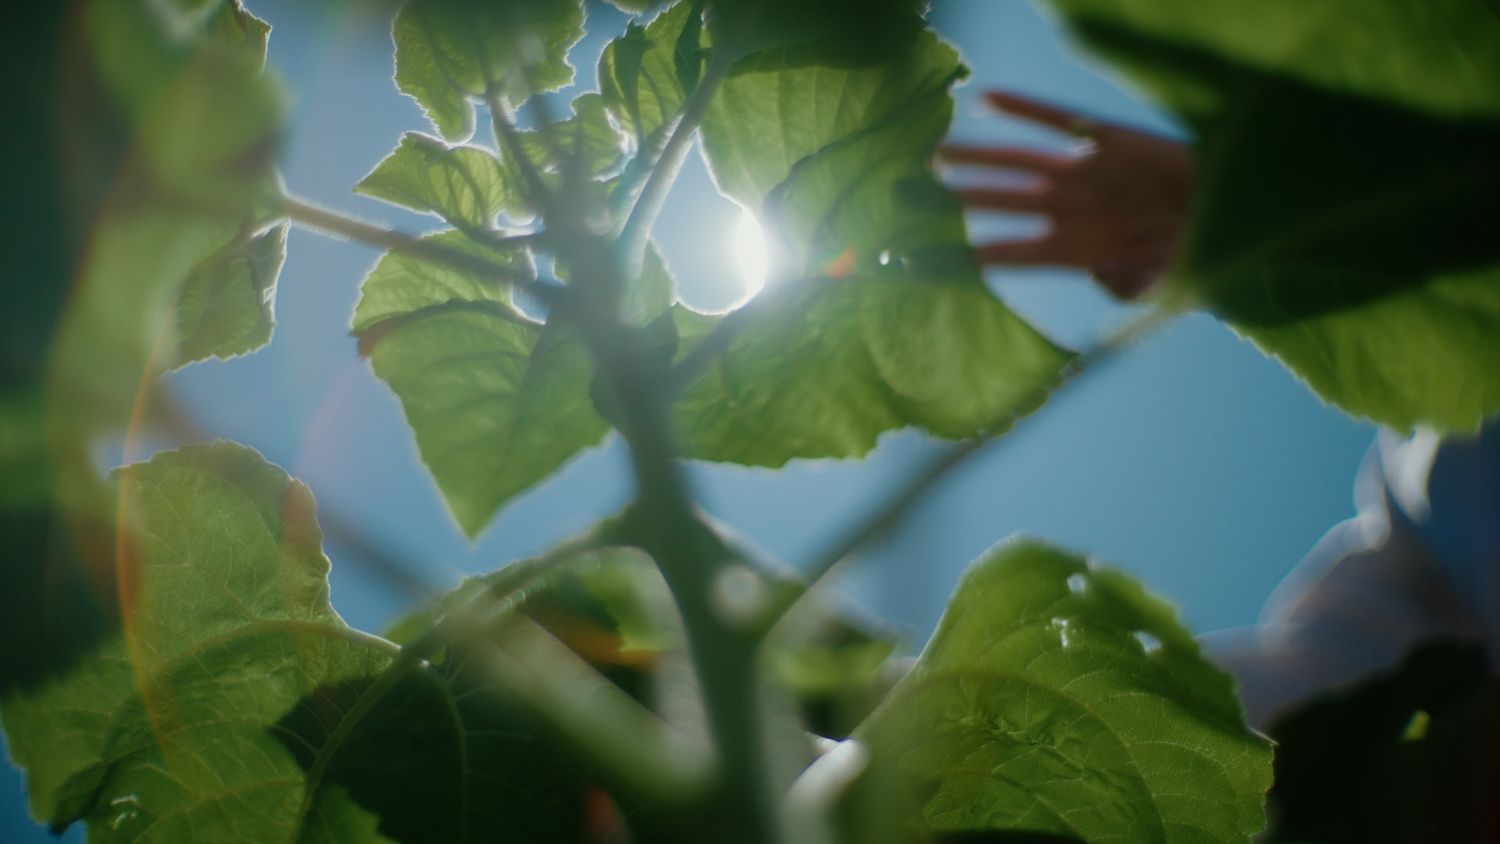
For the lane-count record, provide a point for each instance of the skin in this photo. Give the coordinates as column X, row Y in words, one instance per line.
column 1116, row 208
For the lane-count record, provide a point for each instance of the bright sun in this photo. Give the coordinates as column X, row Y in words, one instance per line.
column 750, row 253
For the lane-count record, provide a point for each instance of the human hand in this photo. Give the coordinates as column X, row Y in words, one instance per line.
column 1116, row 208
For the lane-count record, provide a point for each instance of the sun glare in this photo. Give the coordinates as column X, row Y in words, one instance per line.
column 750, row 253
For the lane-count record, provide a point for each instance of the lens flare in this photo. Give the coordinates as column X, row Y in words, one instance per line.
column 750, row 253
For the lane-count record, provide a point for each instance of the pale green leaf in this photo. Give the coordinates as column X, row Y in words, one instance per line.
column 884, row 321
column 825, row 372
column 450, row 53
column 1060, row 698
column 645, row 74
column 781, row 106
column 497, row 402
column 585, row 143
column 402, row 284
column 465, row 185
column 226, row 308
column 1345, row 187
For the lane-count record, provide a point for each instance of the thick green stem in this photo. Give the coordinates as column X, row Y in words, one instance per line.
column 667, row 526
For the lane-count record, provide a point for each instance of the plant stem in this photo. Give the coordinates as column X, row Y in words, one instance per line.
column 507, row 136
column 331, row 222
column 648, row 205
column 665, row 524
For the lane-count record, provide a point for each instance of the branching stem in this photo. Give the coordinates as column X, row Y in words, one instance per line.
column 648, row 205
column 331, row 222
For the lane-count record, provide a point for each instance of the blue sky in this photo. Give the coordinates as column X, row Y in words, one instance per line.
column 1192, row 461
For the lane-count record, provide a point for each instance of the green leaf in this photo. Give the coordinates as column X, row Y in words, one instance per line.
column 651, row 293
column 587, row 142
column 204, row 118
column 634, row 7
column 840, row 32
column 773, row 111
column 497, row 402
column 189, row 132
column 452, row 52
column 645, row 74
column 466, row 186
column 884, row 321
column 163, row 729
column 1345, row 183
column 1059, row 698
column 226, row 307
column 234, row 704
column 401, row 284
column 825, row 372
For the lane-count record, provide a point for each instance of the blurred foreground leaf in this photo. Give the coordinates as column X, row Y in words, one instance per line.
column 234, row 704
column 1346, row 186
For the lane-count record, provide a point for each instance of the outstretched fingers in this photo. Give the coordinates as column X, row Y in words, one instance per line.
column 1028, row 252
column 1025, row 200
column 1043, row 113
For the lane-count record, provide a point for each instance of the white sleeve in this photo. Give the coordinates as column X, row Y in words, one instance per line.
column 1422, row 559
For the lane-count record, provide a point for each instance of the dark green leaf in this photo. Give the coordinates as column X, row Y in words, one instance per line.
column 226, row 307
column 497, row 402
column 466, row 186
column 837, row 31
column 452, row 52
column 1059, row 698
column 1347, row 175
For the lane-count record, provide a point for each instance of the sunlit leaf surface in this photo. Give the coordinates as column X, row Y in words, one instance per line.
column 1060, row 698
column 885, row 322
column 449, row 53
column 497, row 402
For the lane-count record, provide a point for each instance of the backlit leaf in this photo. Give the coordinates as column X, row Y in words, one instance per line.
column 226, row 307
column 1059, row 698
column 645, row 74
column 497, row 402
column 884, row 321
column 465, row 185
column 450, row 53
